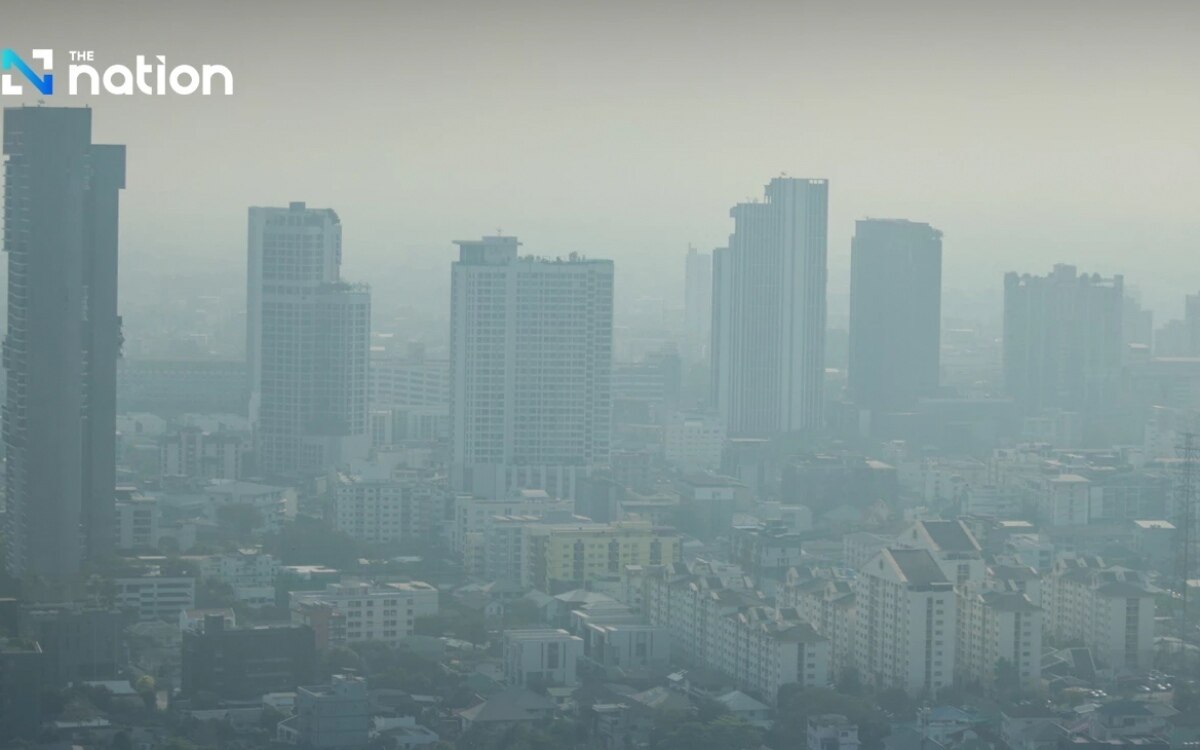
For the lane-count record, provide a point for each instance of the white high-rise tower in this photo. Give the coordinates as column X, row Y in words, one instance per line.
column 768, row 337
column 530, row 368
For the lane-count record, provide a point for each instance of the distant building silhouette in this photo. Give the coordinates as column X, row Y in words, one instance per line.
column 697, row 305
column 768, row 338
column 1062, row 339
column 64, row 337
column 530, row 368
column 895, row 312
column 308, row 338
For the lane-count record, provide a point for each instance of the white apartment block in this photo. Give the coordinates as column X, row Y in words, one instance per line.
column 155, row 597
column 541, row 657
column 764, row 648
column 694, row 442
column 1065, row 500
column 996, row 626
column 731, row 631
column 906, row 609
column 473, row 514
column 1110, row 609
column 251, row 573
column 952, row 545
column 530, row 368
column 386, row 510
column 827, row 602
column 372, row 612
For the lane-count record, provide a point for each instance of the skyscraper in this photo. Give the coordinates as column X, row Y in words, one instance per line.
column 895, row 312
column 697, row 305
column 530, row 368
column 1062, row 339
column 768, row 338
column 64, row 337
column 308, row 339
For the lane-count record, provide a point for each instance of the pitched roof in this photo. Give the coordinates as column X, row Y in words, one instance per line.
column 950, row 536
column 516, row 704
column 917, row 566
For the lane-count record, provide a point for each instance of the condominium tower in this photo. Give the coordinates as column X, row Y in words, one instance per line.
column 530, row 368
column 308, row 340
column 64, row 337
column 768, row 330
column 895, row 312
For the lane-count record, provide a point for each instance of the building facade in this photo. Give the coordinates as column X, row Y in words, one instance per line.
column 63, row 341
column 307, row 342
column 530, row 368
column 768, row 331
column 895, row 313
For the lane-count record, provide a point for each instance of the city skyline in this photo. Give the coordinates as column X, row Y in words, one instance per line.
column 1081, row 210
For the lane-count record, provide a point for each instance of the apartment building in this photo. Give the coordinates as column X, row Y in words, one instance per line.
column 905, row 610
column 1108, row 608
column 539, row 657
column 380, row 510
column 365, row 611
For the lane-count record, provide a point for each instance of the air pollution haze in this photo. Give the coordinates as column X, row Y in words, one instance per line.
column 626, row 130
column 657, row 375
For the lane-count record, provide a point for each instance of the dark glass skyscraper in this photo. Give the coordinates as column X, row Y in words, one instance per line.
column 895, row 312
column 64, row 337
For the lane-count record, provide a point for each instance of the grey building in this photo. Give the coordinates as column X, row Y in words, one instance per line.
column 63, row 340
column 308, row 341
column 768, row 330
column 79, row 643
column 895, row 313
column 1062, row 339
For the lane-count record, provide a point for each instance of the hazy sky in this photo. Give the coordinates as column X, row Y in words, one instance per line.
column 1029, row 132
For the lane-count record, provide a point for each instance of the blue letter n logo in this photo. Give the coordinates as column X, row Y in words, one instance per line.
column 43, row 83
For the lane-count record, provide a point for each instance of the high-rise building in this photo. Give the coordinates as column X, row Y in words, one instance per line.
column 768, row 337
column 895, row 312
column 530, row 368
column 1062, row 339
column 308, row 341
column 64, row 337
column 697, row 305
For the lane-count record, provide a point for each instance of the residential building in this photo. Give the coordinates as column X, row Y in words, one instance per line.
column 560, row 557
column 138, row 521
column 541, row 657
column 248, row 662
column 192, row 453
column 768, row 330
column 1107, row 608
column 307, row 343
column 693, row 442
column 895, row 313
column 63, row 340
column 472, row 514
column 337, row 715
column 155, row 597
column 530, row 368
column 1062, row 339
column 906, row 622
column 1000, row 640
column 354, row 612
column 382, row 509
